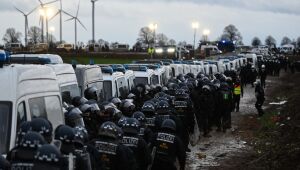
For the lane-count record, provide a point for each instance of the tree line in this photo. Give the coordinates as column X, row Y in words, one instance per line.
column 146, row 38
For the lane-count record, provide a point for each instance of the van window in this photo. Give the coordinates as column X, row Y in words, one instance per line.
column 5, row 126
column 122, row 88
column 155, row 79
column 21, row 117
column 141, row 80
column 48, row 107
column 72, row 89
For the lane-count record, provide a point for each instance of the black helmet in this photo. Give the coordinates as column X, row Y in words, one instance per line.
column 23, row 129
column 108, row 129
column 169, row 124
column 91, row 93
column 164, row 89
column 81, row 135
column 74, row 117
column 131, row 125
column 86, row 108
column 65, row 134
column 206, row 88
column 32, row 140
column 120, row 132
column 139, row 116
column 131, row 96
column 191, row 75
column 154, row 101
column 42, row 126
column 181, row 77
column 127, row 108
column 163, row 107
column 47, row 157
column 116, row 101
column 148, row 109
column 121, row 121
column 77, row 101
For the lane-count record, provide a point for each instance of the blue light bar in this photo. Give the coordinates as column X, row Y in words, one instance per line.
column 3, row 57
column 108, row 70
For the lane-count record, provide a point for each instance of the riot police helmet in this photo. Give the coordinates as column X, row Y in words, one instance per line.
column 42, row 126
column 131, row 126
column 169, row 124
column 108, row 129
column 91, row 93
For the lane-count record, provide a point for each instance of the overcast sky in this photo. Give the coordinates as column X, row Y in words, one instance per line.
column 121, row 20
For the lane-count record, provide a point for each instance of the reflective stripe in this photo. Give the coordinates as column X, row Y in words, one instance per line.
column 237, row 90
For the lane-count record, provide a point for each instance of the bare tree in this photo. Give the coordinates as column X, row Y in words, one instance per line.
column 12, row 36
column 35, row 35
column 286, row 40
column 256, row 42
column 146, row 36
column 270, row 41
column 231, row 33
column 162, row 39
column 172, row 42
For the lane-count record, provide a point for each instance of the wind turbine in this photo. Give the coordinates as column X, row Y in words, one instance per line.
column 44, row 15
column 75, row 18
column 26, row 23
column 93, row 20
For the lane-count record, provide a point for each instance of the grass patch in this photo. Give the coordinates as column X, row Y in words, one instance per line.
column 97, row 60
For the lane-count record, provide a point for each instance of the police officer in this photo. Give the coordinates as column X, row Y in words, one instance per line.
column 23, row 129
column 48, row 157
column 237, row 94
column 260, row 98
column 206, row 104
column 66, row 135
column 150, row 111
column 137, row 144
column 91, row 119
column 42, row 126
column 145, row 132
column 106, row 151
column 22, row 156
column 253, row 75
column 184, row 110
column 263, row 76
column 127, row 108
column 74, row 117
column 167, row 146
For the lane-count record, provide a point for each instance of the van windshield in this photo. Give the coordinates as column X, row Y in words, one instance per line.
column 155, row 80
column 141, row 80
column 107, row 90
column 5, row 124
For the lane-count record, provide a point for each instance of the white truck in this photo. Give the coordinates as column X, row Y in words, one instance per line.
column 89, row 76
column 27, row 92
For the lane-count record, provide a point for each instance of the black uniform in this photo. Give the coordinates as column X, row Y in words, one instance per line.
column 168, row 148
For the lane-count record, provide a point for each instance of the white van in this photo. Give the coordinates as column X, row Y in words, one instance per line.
column 67, row 81
column 177, row 69
column 89, row 76
column 26, row 92
column 142, row 74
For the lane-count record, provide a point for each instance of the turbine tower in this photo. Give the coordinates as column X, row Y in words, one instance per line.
column 26, row 22
column 93, row 20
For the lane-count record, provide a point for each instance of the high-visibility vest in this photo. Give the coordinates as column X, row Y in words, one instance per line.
column 237, row 89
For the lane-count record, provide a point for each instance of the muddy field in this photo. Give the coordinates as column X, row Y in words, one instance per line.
column 253, row 142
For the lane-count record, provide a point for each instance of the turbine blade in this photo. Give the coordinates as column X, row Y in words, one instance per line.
column 40, row 2
column 81, row 24
column 69, row 19
column 78, row 9
column 54, row 15
column 67, row 13
column 32, row 10
column 51, row 2
column 19, row 10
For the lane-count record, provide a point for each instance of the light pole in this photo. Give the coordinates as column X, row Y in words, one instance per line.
column 206, row 32
column 93, row 20
column 153, row 27
column 195, row 26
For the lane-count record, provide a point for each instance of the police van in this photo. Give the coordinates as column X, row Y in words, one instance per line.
column 142, row 74
column 89, row 76
column 210, row 69
column 26, row 92
column 67, row 81
column 177, row 69
column 219, row 64
column 114, row 83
